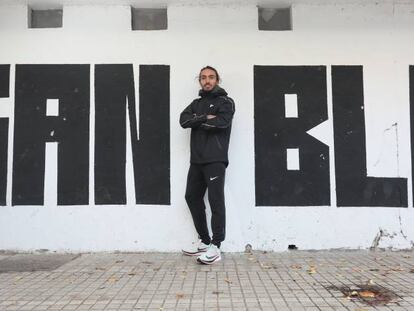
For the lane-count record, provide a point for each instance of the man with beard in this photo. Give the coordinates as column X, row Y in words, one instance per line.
column 210, row 118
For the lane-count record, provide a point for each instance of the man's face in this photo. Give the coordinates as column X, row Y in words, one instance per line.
column 208, row 79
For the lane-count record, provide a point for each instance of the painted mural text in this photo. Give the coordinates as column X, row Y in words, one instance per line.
column 114, row 96
column 115, row 107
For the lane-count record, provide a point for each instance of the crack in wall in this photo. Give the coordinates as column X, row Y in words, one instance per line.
column 402, row 232
column 384, row 234
column 377, row 239
column 395, row 126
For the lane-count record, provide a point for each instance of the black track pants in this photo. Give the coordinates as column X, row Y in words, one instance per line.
column 201, row 177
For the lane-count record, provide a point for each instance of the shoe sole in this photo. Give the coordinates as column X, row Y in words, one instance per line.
column 193, row 254
column 218, row 258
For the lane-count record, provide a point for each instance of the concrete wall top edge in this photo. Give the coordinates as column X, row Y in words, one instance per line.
column 161, row 3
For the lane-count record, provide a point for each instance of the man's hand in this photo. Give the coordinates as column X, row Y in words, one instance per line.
column 210, row 116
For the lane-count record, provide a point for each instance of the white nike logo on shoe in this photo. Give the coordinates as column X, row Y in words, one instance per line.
column 212, row 178
column 211, row 105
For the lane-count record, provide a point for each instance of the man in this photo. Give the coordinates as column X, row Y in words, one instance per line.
column 209, row 118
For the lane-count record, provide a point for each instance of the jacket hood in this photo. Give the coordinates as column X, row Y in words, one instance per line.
column 215, row 92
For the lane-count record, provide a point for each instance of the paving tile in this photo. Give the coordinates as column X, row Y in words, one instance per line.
column 291, row 281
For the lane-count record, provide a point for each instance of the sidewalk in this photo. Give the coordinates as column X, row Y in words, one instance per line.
column 295, row 280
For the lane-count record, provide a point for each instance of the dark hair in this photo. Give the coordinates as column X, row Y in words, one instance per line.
column 211, row 68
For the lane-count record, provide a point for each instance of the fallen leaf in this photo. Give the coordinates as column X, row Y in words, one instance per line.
column 406, row 256
column 252, row 259
column 113, row 279
column 266, row 267
column 411, row 270
column 312, row 270
column 296, row 266
column 397, row 269
column 119, row 261
column 147, row 262
column 179, row 295
column 370, row 282
column 366, row 294
column 228, row 281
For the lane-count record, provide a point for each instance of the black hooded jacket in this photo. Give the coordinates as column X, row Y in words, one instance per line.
column 209, row 137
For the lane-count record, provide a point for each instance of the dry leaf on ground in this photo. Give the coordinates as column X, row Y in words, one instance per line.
column 100, row 268
column 113, row 279
column 179, row 295
column 366, row 294
column 397, row 269
column 312, row 270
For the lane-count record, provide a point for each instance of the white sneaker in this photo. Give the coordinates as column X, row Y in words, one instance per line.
column 212, row 255
column 196, row 251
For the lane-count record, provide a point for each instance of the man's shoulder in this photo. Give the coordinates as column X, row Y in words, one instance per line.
column 226, row 99
column 195, row 100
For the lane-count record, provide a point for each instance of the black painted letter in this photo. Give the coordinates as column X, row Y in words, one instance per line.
column 412, row 123
column 33, row 128
column 4, row 133
column 353, row 187
column 114, row 88
column 277, row 185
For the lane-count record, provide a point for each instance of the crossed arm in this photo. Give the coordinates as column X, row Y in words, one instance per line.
column 221, row 120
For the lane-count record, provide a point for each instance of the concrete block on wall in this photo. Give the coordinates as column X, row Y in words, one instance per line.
column 275, row 19
column 149, row 19
column 48, row 18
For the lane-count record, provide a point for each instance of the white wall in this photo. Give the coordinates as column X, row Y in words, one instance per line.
column 377, row 36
